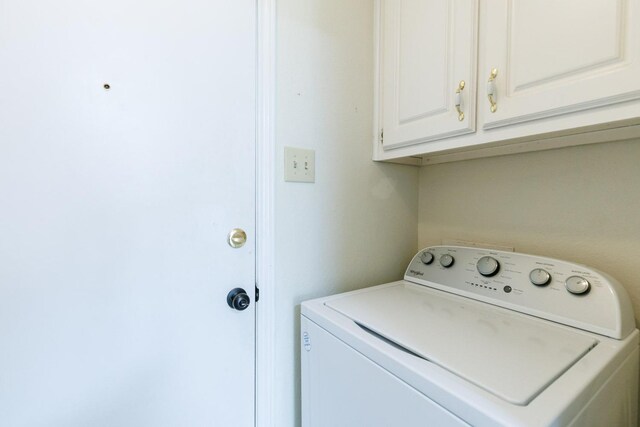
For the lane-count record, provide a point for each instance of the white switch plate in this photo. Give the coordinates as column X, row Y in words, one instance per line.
column 299, row 165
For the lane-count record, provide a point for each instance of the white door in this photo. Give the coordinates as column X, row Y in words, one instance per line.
column 126, row 157
column 557, row 57
column 428, row 70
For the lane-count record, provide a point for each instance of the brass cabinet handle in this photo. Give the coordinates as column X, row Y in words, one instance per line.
column 491, row 90
column 458, row 100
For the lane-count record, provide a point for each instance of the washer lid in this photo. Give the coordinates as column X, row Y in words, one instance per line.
column 509, row 354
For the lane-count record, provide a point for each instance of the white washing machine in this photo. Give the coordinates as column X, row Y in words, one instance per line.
column 473, row 337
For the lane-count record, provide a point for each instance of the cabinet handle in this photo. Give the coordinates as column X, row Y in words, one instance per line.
column 491, row 90
column 458, row 100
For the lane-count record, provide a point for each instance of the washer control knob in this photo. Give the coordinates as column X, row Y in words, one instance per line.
column 539, row 277
column 577, row 285
column 446, row 260
column 426, row 258
column 488, row 266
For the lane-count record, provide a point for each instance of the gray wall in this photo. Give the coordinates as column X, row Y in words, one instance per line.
column 356, row 226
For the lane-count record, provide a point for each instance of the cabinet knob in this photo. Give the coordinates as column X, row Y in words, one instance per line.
column 458, row 100
column 491, row 90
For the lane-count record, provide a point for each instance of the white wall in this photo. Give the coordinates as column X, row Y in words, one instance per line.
column 360, row 223
column 356, row 226
column 581, row 204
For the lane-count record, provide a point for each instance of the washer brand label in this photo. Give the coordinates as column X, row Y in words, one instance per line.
column 306, row 341
column 416, row 273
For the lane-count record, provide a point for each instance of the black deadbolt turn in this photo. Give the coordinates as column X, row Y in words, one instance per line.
column 238, row 299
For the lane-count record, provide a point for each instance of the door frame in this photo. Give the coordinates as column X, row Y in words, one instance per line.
column 265, row 215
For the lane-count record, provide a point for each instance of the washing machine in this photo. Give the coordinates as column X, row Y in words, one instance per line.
column 474, row 337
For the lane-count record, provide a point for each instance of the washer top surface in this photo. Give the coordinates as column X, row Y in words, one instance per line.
column 509, row 354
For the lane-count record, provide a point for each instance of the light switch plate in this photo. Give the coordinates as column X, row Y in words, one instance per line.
column 299, row 165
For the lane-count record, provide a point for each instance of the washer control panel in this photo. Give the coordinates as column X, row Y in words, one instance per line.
column 556, row 290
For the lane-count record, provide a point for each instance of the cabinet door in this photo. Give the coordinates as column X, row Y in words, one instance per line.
column 555, row 57
column 427, row 48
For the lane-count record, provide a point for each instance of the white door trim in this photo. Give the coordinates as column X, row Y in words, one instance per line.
column 265, row 219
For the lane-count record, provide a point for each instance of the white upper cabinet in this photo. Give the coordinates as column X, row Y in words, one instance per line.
column 557, row 57
column 428, row 64
column 537, row 74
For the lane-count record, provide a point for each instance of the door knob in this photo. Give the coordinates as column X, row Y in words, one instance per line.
column 238, row 299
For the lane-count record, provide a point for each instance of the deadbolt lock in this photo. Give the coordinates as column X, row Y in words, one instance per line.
column 237, row 238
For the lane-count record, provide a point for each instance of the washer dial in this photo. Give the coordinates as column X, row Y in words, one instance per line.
column 426, row 258
column 577, row 285
column 446, row 260
column 539, row 277
column 488, row 266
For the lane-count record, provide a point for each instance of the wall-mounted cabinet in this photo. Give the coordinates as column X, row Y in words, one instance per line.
column 428, row 63
column 468, row 78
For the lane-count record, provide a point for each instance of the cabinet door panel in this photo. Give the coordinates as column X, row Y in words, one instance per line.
column 558, row 57
column 427, row 48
